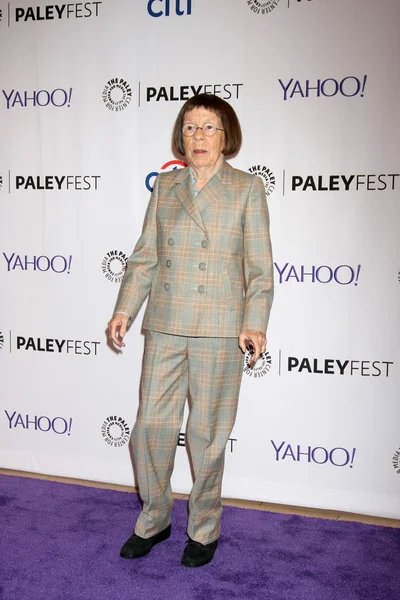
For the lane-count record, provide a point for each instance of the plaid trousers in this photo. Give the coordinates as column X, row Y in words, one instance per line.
column 207, row 371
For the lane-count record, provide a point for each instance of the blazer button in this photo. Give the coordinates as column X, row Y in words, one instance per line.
column 202, row 266
column 201, row 289
column 168, row 263
column 171, row 241
column 204, row 244
column 167, row 286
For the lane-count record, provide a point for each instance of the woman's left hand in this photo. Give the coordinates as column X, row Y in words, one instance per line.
column 255, row 341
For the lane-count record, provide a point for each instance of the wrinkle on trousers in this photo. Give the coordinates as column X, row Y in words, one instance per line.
column 210, row 371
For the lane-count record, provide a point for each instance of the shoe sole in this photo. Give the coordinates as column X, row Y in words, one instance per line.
column 162, row 537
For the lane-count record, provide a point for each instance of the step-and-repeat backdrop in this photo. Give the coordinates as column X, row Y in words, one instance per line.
column 89, row 94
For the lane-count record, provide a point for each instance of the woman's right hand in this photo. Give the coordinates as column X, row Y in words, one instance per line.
column 117, row 329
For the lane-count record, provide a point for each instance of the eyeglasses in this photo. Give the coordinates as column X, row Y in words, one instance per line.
column 209, row 129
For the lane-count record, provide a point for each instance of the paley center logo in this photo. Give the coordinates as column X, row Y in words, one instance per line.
column 117, row 94
column 53, row 12
column 1, row 340
column 165, row 8
column 1, row 182
column 396, row 461
column 115, row 431
column 64, row 183
column 43, row 263
column 373, row 182
column 266, row 175
column 349, row 87
column 262, row 7
column 262, row 366
column 114, row 265
column 171, row 165
column 57, row 98
column 340, row 274
column 176, row 93
column 338, row 366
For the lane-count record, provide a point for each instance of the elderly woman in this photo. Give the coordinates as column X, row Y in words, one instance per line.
column 205, row 258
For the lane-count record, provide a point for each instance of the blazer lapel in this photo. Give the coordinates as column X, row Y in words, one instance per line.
column 213, row 191
column 183, row 190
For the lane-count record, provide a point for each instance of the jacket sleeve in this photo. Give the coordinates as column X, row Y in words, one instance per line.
column 141, row 265
column 258, row 264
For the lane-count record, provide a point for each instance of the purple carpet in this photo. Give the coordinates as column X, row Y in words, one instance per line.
column 61, row 542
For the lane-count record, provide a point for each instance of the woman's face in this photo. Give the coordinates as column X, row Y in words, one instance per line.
column 202, row 151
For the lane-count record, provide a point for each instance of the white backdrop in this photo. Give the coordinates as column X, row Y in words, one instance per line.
column 89, row 93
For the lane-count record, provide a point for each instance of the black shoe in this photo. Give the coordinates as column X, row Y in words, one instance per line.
column 137, row 546
column 197, row 555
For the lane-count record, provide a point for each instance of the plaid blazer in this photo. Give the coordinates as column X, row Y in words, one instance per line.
column 206, row 262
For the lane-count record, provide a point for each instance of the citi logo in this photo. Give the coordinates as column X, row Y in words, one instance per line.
column 164, row 8
column 171, row 165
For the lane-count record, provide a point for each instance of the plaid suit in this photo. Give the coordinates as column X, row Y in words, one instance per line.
column 207, row 264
